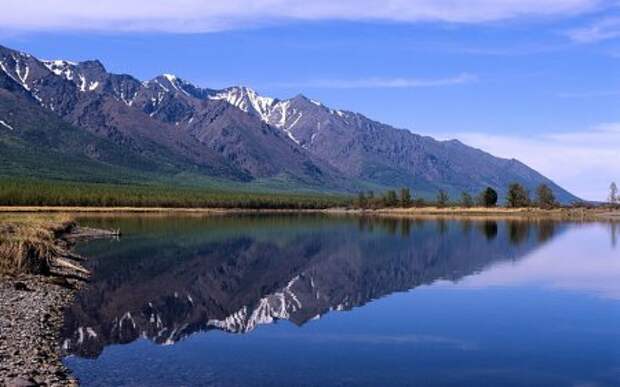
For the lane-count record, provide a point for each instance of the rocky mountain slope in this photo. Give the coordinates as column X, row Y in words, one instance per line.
column 368, row 150
column 169, row 127
column 157, row 122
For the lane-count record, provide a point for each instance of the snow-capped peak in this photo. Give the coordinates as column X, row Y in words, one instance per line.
column 170, row 82
column 283, row 114
column 170, row 77
column 59, row 67
column 245, row 99
column 59, row 62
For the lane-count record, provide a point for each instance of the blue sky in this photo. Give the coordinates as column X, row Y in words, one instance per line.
column 536, row 80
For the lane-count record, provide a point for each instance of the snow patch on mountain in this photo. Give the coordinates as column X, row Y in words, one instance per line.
column 287, row 129
column 6, row 71
column 82, row 83
column 6, row 125
column 282, row 114
column 61, row 68
column 247, row 100
column 22, row 73
column 171, row 83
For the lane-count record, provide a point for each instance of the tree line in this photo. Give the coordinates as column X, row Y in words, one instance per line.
column 517, row 196
column 25, row 192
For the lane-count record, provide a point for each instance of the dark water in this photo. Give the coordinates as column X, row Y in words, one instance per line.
column 336, row 301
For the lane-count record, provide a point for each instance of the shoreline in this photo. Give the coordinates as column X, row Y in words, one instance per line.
column 567, row 214
column 31, row 315
column 590, row 214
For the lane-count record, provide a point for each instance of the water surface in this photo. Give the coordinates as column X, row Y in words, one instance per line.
column 347, row 301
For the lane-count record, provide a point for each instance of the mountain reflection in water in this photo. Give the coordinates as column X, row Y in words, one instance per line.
column 168, row 278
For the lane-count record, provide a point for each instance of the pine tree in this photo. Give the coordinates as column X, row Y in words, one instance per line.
column 390, row 199
column 466, row 200
column 442, row 198
column 405, row 197
column 362, row 202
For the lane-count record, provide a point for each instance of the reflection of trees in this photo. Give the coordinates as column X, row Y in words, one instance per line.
column 546, row 229
column 614, row 229
column 390, row 225
column 442, row 226
column 405, row 227
column 518, row 231
column 466, row 226
column 489, row 229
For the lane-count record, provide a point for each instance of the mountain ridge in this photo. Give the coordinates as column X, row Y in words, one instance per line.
column 237, row 134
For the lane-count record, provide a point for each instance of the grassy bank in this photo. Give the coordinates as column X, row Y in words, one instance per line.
column 29, row 244
column 23, row 192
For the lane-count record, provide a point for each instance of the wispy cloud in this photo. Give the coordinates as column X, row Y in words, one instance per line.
column 378, row 83
column 603, row 29
column 584, row 162
column 206, row 16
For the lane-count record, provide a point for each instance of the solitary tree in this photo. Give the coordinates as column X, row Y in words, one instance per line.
column 545, row 197
column 405, row 197
column 442, row 198
column 517, row 196
column 466, row 200
column 613, row 193
column 489, row 197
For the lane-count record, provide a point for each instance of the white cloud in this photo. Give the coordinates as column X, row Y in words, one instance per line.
column 374, row 83
column 583, row 162
column 215, row 15
column 603, row 29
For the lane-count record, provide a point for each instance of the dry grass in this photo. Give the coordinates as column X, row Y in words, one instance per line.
column 579, row 214
column 29, row 244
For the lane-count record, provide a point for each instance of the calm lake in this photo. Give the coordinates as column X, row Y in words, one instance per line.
column 317, row 300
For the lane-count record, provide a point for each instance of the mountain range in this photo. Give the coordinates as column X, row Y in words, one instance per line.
column 79, row 122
